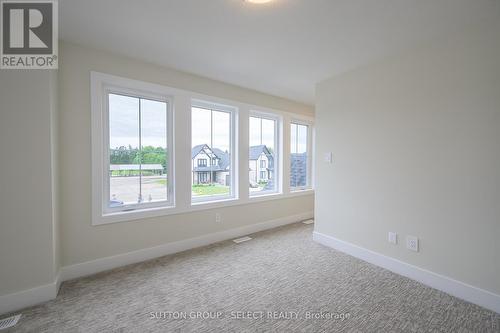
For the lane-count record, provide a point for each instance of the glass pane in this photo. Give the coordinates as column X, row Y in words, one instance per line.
column 211, row 147
column 262, row 156
column 301, row 139
column 254, row 131
column 268, row 133
column 221, row 131
column 298, row 156
column 293, row 138
column 200, row 127
column 154, row 151
column 124, row 168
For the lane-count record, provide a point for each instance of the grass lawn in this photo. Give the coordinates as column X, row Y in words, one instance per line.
column 210, row 190
column 215, row 189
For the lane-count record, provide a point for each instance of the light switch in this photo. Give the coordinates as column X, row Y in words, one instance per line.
column 393, row 237
column 328, row 157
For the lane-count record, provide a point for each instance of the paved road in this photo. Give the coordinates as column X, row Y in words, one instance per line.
column 126, row 189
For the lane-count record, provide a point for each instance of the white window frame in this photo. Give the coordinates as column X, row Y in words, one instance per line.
column 278, row 164
column 309, row 147
column 101, row 86
column 233, row 150
column 181, row 102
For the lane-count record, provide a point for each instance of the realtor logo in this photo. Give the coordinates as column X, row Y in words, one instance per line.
column 29, row 34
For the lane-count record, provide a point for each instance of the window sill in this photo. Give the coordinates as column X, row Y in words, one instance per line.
column 266, row 196
column 194, row 207
column 215, row 202
column 301, row 191
column 132, row 215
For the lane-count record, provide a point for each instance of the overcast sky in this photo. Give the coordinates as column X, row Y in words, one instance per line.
column 262, row 132
column 298, row 138
column 208, row 127
column 217, row 135
column 124, row 122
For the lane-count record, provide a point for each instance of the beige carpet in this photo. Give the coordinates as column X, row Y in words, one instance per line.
column 281, row 281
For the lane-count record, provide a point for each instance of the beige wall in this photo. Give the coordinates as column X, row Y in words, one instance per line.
column 416, row 144
column 54, row 139
column 83, row 242
column 28, row 207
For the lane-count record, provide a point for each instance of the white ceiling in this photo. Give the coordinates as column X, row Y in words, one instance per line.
column 283, row 48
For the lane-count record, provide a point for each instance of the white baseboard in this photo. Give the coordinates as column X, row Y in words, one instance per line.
column 107, row 263
column 448, row 285
column 29, row 297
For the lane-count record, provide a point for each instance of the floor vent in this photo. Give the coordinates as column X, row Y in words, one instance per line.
column 241, row 240
column 9, row 322
column 308, row 221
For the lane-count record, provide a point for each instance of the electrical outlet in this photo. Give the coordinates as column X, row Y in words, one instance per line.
column 218, row 218
column 393, row 237
column 412, row 243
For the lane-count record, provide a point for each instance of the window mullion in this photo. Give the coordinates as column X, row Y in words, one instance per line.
column 261, row 131
column 296, row 139
column 139, row 200
column 167, row 155
column 211, row 142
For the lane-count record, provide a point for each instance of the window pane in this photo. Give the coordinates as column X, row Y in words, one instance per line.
column 301, row 139
column 298, row 156
column 254, row 131
column 293, row 138
column 268, row 133
column 211, row 157
column 262, row 155
column 124, row 168
column 153, row 151
column 221, row 127
column 138, row 150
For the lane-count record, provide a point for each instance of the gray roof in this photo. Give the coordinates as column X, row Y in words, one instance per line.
column 298, row 170
column 197, row 149
column 256, row 151
column 224, row 157
column 208, row 168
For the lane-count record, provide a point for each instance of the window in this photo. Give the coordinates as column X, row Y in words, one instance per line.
column 212, row 139
column 263, row 154
column 138, row 164
column 133, row 152
column 138, row 161
column 132, row 149
column 299, row 157
column 202, row 162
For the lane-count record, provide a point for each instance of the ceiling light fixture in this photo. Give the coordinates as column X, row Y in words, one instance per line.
column 258, row 1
